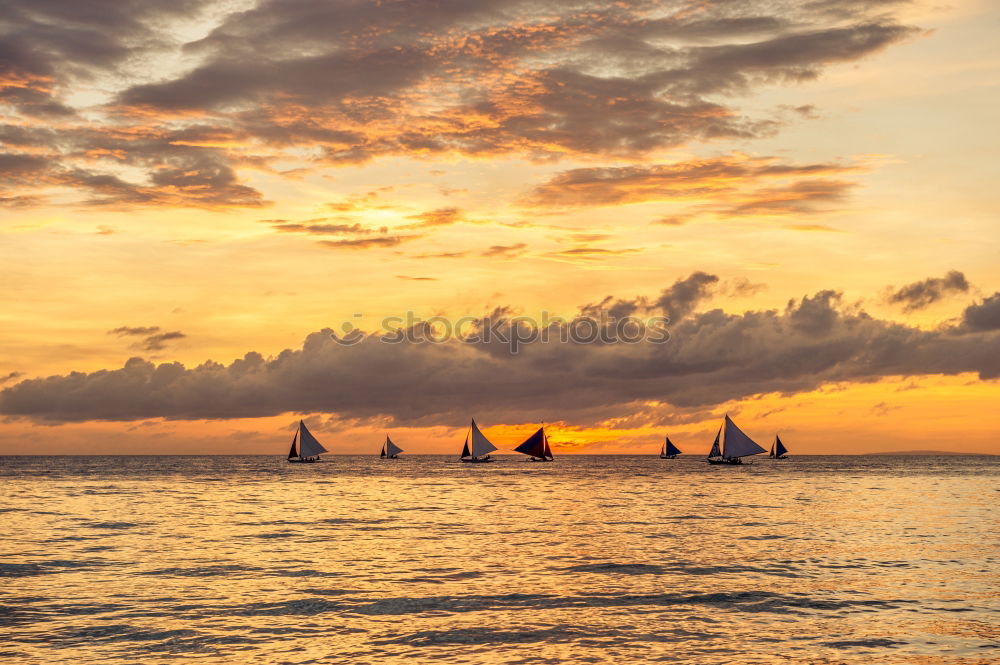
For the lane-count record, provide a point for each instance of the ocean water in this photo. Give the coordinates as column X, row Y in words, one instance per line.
column 604, row 559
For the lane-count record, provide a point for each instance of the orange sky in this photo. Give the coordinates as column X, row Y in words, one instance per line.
column 808, row 195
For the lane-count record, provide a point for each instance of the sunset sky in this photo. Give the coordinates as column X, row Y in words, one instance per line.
column 195, row 194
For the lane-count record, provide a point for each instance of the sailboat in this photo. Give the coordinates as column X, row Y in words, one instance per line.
column 735, row 444
column 305, row 447
column 669, row 450
column 537, row 446
column 778, row 450
column 481, row 446
column 389, row 449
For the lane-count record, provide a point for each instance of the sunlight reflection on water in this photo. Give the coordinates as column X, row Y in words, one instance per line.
column 588, row 559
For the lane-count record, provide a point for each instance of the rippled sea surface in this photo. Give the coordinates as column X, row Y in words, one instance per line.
column 596, row 559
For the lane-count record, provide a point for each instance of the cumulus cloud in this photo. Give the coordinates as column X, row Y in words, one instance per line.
column 711, row 357
column 814, row 316
column 984, row 315
column 684, row 295
column 347, row 82
column 922, row 294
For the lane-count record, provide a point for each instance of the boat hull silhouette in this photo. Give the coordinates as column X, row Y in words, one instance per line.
column 736, row 461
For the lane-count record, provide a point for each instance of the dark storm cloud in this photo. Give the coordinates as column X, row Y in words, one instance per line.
column 47, row 48
column 853, row 8
column 32, row 101
column 983, row 316
column 197, row 182
column 177, row 175
column 351, row 81
column 47, row 44
column 793, row 57
column 593, row 115
column 18, row 167
column 711, row 357
column 701, row 29
column 814, row 316
column 316, row 79
column 922, row 294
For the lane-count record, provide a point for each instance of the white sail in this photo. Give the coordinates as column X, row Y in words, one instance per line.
column 391, row 448
column 480, row 444
column 738, row 444
column 308, row 445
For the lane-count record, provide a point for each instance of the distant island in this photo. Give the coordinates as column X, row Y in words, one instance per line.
column 927, row 452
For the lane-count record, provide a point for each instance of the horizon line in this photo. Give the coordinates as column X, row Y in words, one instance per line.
column 908, row 453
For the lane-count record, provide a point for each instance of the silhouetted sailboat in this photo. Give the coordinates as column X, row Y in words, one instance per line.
column 481, row 446
column 305, row 447
column 778, row 450
column 715, row 452
column 537, row 446
column 669, row 450
column 735, row 444
column 389, row 449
